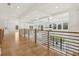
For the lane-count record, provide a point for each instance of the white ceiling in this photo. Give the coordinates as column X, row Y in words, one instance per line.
column 29, row 11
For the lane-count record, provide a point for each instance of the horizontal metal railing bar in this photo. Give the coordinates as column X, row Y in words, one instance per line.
column 64, row 35
column 67, row 38
column 53, row 31
column 72, row 51
column 64, row 51
column 58, row 31
column 53, row 48
column 71, row 44
column 58, row 50
column 69, row 41
column 71, row 48
column 51, row 41
column 65, row 32
column 68, row 47
column 69, row 53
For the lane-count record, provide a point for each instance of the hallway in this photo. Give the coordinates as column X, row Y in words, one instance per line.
column 23, row 47
column 35, row 29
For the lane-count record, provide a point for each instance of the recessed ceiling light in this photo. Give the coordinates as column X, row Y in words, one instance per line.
column 18, row 6
column 50, row 17
column 56, row 6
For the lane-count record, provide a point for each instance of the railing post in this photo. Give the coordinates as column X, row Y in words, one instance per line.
column 48, row 39
column 53, row 40
column 28, row 34
column 1, row 39
column 24, row 32
column 35, row 36
column 19, row 33
column 60, row 43
column 1, row 35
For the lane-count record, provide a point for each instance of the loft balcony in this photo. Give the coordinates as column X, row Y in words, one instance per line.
column 27, row 42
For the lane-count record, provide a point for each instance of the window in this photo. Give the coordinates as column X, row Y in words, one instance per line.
column 59, row 26
column 54, row 26
column 65, row 25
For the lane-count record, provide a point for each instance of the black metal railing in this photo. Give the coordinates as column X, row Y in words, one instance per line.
column 65, row 43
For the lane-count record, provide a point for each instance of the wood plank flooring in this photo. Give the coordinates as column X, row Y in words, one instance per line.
column 13, row 46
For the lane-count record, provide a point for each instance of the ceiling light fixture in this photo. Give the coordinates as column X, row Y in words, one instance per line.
column 50, row 17
column 18, row 6
column 56, row 6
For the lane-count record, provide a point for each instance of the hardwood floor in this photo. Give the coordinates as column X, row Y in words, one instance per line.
column 13, row 46
column 0, row 51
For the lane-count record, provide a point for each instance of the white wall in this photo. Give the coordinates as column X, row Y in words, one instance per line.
column 9, row 24
column 57, row 19
column 74, row 20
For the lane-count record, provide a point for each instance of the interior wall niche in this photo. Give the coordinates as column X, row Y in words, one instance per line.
column 50, row 26
column 59, row 26
column 54, row 26
column 65, row 26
